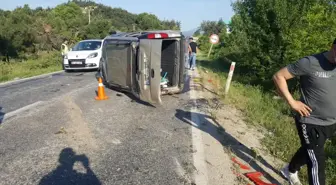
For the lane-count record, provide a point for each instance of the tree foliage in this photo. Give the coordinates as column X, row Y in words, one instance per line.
column 269, row 34
column 25, row 32
column 208, row 28
column 212, row 27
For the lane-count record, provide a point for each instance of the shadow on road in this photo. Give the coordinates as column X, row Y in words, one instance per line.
column 130, row 96
column 119, row 91
column 228, row 141
column 80, row 71
column 186, row 86
column 2, row 115
column 64, row 174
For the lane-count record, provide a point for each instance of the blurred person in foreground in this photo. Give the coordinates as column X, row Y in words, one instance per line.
column 315, row 111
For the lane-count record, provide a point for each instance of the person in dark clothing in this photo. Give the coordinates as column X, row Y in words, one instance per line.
column 316, row 111
column 193, row 51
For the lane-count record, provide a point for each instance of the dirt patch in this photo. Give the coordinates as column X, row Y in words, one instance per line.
column 240, row 140
column 77, row 133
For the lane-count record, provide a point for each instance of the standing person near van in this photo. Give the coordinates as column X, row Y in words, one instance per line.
column 193, row 52
column 64, row 48
column 316, row 111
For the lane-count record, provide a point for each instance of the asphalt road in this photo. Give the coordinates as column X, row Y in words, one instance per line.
column 60, row 135
column 17, row 95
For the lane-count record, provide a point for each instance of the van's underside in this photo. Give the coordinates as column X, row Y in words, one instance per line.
column 123, row 63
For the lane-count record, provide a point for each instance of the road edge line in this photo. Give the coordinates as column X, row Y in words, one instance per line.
column 14, row 113
column 29, row 78
column 201, row 173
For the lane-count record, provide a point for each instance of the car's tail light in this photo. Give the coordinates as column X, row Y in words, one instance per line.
column 157, row 36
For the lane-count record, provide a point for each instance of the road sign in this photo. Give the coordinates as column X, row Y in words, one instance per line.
column 214, row 39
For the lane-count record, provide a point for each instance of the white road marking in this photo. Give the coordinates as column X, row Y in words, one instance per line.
column 201, row 174
column 179, row 168
column 181, row 172
column 12, row 82
column 20, row 110
column 16, row 112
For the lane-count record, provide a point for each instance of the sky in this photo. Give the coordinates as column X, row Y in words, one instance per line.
column 190, row 12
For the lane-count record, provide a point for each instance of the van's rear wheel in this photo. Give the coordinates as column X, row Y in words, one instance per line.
column 104, row 77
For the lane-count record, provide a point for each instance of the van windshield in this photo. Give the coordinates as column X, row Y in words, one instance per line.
column 87, row 45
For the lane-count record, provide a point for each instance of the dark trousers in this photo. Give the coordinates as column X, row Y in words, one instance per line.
column 311, row 152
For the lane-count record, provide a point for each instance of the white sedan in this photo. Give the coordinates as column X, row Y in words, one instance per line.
column 86, row 54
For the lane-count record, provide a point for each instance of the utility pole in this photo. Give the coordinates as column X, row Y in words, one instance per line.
column 89, row 16
column 88, row 10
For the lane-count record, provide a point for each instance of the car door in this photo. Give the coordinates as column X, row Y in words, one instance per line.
column 150, row 70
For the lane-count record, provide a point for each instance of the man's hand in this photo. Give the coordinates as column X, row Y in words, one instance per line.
column 301, row 108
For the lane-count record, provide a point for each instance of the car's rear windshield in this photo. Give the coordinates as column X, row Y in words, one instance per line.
column 87, row 45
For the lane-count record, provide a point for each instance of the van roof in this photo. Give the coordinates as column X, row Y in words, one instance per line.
column 121, row 38
column 91, row 40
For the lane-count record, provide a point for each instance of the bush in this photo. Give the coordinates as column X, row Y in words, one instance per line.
column 45, row 63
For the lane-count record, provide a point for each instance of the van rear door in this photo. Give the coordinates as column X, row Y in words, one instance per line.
column 150, row 70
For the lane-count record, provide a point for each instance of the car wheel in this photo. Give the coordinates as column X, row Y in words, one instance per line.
column 103, row 77
column 102, row 72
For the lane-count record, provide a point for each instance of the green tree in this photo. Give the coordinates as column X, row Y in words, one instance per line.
column 98, row 29
column 146, row 21
column 212, row 27
column 208, row 28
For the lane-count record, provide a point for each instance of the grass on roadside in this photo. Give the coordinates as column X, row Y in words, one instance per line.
column 260, row 109
column 47, row 62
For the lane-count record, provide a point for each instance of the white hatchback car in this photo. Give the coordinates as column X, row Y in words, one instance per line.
column 86, row 54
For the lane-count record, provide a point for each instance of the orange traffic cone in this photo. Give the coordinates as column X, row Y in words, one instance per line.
column 101, row 91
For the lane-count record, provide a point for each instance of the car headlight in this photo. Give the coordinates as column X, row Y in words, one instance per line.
column 93, row 55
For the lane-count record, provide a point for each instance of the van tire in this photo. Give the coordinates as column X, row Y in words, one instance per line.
column 103, row 76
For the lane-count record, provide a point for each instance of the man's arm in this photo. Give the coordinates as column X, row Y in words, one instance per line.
column 197, row 49
column 280, row 80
